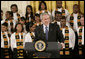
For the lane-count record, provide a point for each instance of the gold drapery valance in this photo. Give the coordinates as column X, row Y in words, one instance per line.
column 51, row 5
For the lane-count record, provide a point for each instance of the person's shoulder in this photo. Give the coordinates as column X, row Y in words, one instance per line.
column 28, row 33
column 70, row 29
column 54, row 24
column 13, row 33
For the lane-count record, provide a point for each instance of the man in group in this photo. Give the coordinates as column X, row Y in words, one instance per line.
column 48, row 31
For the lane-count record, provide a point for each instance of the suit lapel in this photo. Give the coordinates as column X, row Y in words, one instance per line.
column 50, row 29
column 49, row 33
column 42, row 31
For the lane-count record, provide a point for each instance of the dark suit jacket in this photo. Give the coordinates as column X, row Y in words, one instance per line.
column 54, row 33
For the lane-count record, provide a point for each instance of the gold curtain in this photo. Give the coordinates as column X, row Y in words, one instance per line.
column 51, row 5
column 82, row 6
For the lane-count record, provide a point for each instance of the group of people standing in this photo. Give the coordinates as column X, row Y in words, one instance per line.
column 58, row 26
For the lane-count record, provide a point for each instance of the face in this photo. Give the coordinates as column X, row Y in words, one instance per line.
column 59, row 4
column 37, row 18
column 28, row 10
column 46, row 19
column 3, row 28
column 7, row 15
column 19, row 27
column 82, row 20
column 14, row 9
column 1, row 14
column 58, row 16
column 21, row 21
column 63, row 22
column 75, row 9
column 42, row 6
column 32, row 28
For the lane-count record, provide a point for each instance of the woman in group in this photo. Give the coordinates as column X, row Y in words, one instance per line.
column 10, row 21
column 17, row 41
column 5, row 41
column 37, row 20
column 43, row 8
column 14, row 9
column 29, row 14
column 30, row 38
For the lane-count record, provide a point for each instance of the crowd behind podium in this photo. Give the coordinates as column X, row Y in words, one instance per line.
column 16, row 30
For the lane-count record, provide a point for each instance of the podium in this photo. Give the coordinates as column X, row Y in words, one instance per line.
column 51, row 49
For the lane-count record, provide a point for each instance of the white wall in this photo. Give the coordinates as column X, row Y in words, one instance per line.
column 5, row 6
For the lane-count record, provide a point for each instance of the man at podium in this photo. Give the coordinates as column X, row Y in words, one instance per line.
column 49, row 32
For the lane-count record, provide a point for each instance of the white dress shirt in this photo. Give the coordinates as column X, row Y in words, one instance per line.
column 44, row 28
column 28, row 37
column 75, row 22
column 82, row 34
column 13, row 40
column 71, row 37
column 2, row 40
column 15, row 16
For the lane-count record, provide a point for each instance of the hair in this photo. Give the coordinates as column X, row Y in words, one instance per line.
column 5, row 24
column 10, row 12
column 63, row 17
column 21, row 25
column 41, row 4
column 41, row 16
column 28, row 26
column 23, row 18
column 26, row 14
column 57, row 12
column 1, row 11
column 77, row 6
column 31, row 24
column 38, row 15
column 15, row 6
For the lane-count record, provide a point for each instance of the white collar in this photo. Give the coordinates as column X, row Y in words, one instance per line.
column 44, row 27
column 60, row 8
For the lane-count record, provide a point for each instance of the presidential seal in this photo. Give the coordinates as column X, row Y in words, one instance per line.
column 40, row 45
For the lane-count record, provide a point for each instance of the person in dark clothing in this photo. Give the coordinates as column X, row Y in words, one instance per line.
column 48, row 31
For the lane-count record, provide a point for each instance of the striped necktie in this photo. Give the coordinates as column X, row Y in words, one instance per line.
column 46, row 31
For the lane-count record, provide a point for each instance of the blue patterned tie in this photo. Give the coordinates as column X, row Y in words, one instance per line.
column 46, row 31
